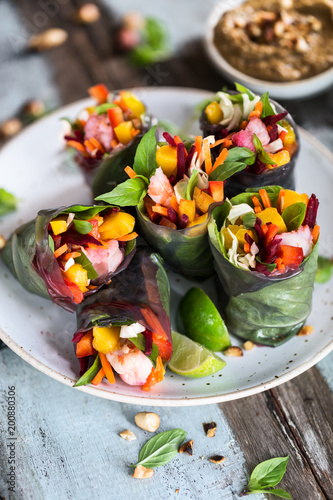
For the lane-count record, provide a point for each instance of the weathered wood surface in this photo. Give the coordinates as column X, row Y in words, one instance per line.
column 68, row 441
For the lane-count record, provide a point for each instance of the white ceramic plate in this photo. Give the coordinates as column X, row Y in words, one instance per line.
column 279, row 90
column 32, row 166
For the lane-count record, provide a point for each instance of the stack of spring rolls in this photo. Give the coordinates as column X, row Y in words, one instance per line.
column 219, row 204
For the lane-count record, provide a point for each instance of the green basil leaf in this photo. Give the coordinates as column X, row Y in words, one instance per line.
column 191, row 185
column 140, row 343
column 269, row 189
column 236, row 98
column 7, row 202
column 267, row 109
column 244, row 90
column 83, row 213
column 270, row 267
column 249, row 220
column 324, row 270
column 127, row 194
column 51, row 243
column 293, row 215
column 270, row 472
column 277, row 492
column 82, row 226
column 161, row 449
column 90, row 374
column 265, row 158
column 87, row 265
column 226, row 170
column 104, row 107
column 257, row 143
column 145, row 156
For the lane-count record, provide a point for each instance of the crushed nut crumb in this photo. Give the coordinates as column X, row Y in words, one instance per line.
column 306, row 330
column 187, row 448
column 177, row 490
column 147, row 421
column 141, row 472
column 217, row 459
column 210, row 429
column 248, row 345
column 128, row 435
column 2, row 242
column 233, row 351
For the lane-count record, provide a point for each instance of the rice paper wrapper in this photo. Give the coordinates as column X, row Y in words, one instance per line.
column 30, row 259
column 266, row 310
column 144, row 285
column 283, row 176
column 186, row 251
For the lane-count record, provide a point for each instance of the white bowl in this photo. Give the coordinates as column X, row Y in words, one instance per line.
column 280, row 90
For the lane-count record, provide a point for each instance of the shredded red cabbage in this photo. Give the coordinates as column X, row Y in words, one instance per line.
column 75, row 238
column 172, row 215
column 189, row 157
column 149, row 342
column 274, row 133
column 183, row 221
column 273, row 119
column 180, row 160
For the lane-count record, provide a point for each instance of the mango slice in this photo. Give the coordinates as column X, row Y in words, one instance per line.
column 116, row 225
column 291, row 197
column 214, row 113
column 198, row 220
column 166, row 158
column 78, row 275
column 202, row 200
column 123, row 132
column 133, row 103
column 59, row 225
column 105, row 338
column 272, row 215
column 187, row 207
column 290, row 138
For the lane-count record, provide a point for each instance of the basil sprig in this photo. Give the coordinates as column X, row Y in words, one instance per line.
column 267, row 109
column 90, row 374
column 237, row 160
column 244, row 90
column 82, row 226
column 145, row 156
column 293, row 215
column 161, row 449
column 87, row 265
column 267, row 475
column 193, row 181
column 126, row 194
column 262, row 155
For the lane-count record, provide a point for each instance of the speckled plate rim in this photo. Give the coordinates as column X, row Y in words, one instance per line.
column 170, row 402
column 287, row 90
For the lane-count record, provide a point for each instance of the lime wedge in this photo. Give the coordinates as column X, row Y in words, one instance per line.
column 191, row 359
column 198, row 317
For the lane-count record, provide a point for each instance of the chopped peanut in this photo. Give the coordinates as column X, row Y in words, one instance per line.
column 306, row 330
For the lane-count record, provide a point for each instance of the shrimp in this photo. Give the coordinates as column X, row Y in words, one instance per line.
column 160, row 189
column 105, row 259
column 300, row 238
column 131, row 364
column 98, row 126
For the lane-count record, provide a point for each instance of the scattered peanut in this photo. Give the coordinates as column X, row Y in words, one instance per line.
column 177, row 490
column 210, row 429
column 2, row 242
column 217, row 459
column 187, row 448
column 34, row 108
column 128, row 435
column 233, row 351
column 141, row 472
column 10, row 127
column 48, row 39
column 147, row 421
column 88, row 13
column 306, row 330
column 248, row 345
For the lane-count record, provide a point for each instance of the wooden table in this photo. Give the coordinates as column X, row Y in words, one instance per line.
column 67, row 442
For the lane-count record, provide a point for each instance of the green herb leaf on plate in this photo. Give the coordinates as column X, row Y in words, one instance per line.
column 293, row 215
column 277, row 492
column 82, row 226
column 161, row 449
column 127, row 194
column 145, row 156
column 90, row 374
column 7, row 202
column 87, row 265
column 191, row 185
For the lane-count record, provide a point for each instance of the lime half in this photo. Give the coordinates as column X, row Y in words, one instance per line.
column 191, row 359
column 198, row 317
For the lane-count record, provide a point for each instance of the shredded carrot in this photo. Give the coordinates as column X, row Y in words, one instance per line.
column 282, row 135
column 60, row 250
column 217, row 143
column 265, row 198
column 271, row 232
column 198, row 144
column 92, row 287
column 243, row 125
column 128, row 237
column 227, row 142
column 280, row 201
column 257, row 209
column 89, row 146
column 220, row 159
column 264, row 229
column 135, row 132
column 99, row 377
column 77, row 145
column 247, row 247
column 257, row 110
column 156, row 375
column 130, row 172
column 256, row 202
column 315, row 233
column 279, row 264
column 97, row 144
column 207, row 155
column 107, row 368
column 113, row 143
column 160, row 210
column 71, row 255
column 174, row 203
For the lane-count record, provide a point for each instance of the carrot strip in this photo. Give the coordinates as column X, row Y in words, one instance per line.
column 77, row 145
column 315, row 233
column 256, row 202
column 99, row 377
column 113, row 143
column 220, row 159
column 156, row 375
column 71, row 255
column 264, row 228
column 153, row 322
column 279, row 264
column 97, row 144
column 280, row 201
column 271, row 232
column 128, row 237
column 265, row 198
column 257, row 209
column 60, row 250
column 107, row 368
column 174, row 203
column 160, row 210
column 247, row 247
column 282, row 135
column 89, row 146
column 243, row 125
column 198, row 144
column 135, row 132
column 130, row 172
column 257, row 110
column 207, row 155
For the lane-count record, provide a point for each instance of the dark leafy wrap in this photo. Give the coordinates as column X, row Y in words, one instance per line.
column 144, row 285
column 32, row 262
column 185, row 250
column 283, row 176
column 267, row 310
